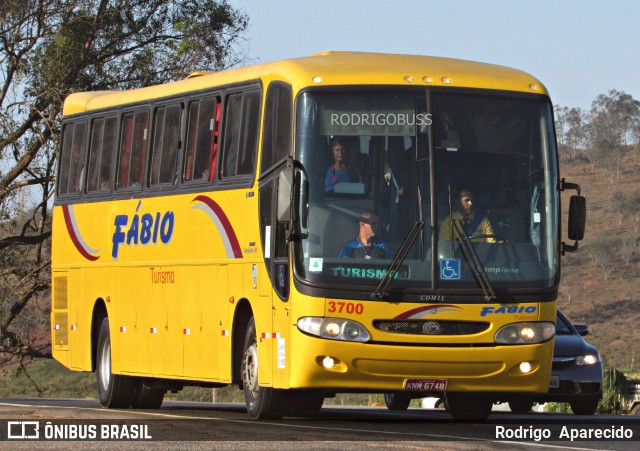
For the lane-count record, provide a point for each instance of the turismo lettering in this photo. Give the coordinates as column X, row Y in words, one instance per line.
column 159, row 276
column 512, row 309
column 143, row 229
column 362, row 273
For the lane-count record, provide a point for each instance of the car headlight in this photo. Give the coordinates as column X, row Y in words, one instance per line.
column 334, row 328
column 589, row 359
column 525, row 333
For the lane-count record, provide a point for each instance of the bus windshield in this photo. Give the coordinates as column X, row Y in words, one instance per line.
column 477, row 164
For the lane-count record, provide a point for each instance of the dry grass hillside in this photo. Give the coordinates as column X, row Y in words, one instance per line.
column 601, row 281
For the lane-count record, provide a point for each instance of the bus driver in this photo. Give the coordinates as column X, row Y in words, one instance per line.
column 366, row 245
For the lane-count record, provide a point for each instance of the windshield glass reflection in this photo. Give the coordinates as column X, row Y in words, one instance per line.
column 379, row 161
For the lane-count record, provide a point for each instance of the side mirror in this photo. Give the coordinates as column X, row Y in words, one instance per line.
column 577, row 217
column 582, row 329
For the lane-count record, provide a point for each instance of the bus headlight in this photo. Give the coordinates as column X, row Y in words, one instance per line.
column 525, row 333
column 334, row 328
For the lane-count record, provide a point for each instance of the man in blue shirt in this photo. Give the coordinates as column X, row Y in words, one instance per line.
column 365, row 245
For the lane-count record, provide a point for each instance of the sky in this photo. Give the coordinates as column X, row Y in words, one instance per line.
column 578, row 49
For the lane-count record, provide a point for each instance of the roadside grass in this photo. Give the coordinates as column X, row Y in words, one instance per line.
column 46, row 378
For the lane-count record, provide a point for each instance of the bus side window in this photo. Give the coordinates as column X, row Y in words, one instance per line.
column 71, row 165
column 101, row 154
column 240, row 134
column 231, row 135
column 276, row 143
column 202, row 138
column 250, row 124
column 166, row 141
column 133, row 149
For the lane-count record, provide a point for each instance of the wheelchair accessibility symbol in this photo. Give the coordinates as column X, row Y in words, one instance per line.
column 449, row 269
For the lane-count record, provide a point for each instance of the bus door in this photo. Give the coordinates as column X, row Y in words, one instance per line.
column 274, row 222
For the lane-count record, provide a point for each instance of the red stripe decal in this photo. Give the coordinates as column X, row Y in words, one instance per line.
column 222, row 217
column 425, row 309
column 74, row 238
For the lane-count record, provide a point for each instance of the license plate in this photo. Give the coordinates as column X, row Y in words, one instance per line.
column 425, row 385
column 554, row 382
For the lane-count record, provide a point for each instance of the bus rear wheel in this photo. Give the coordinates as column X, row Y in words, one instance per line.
column 114, row 390
column 145, row 397
column 261, row 402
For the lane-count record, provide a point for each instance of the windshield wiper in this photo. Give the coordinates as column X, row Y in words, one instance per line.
column 399, row 257
column 474, row 261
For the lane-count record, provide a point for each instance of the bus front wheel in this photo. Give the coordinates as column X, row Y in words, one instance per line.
column 262, row 402
column 114, row 390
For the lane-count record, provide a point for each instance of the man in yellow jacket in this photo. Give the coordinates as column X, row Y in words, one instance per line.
column 478, row 228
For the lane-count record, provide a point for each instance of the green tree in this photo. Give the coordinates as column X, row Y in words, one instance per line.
column 576, row 130
column 619, row 203
column 633, row 207
column 627, row 249
column 612, row 121
column 49, row 49
column 560, row 115
column 600, row 252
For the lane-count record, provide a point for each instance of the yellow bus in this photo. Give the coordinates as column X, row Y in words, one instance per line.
column 279, row 227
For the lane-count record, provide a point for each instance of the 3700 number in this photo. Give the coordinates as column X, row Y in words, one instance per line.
column 346, row 307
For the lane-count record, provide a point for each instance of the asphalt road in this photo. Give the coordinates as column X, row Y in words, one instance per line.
column 188, row 425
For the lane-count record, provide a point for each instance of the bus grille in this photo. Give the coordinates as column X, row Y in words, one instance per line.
column 413, row 327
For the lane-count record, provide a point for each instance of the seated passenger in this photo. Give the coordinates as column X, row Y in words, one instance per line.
column 475, row 224
column 339, row 171
column 366, row 245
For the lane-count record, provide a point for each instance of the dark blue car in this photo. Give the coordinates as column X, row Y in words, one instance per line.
column 576, row 375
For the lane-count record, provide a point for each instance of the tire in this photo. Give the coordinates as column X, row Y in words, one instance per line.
column 114, row 391
column 397, row 401
column 146, row 398
column 468, row 406
column 305, row 402
column 587, row 406
column 521, row 406
column 261, row 402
